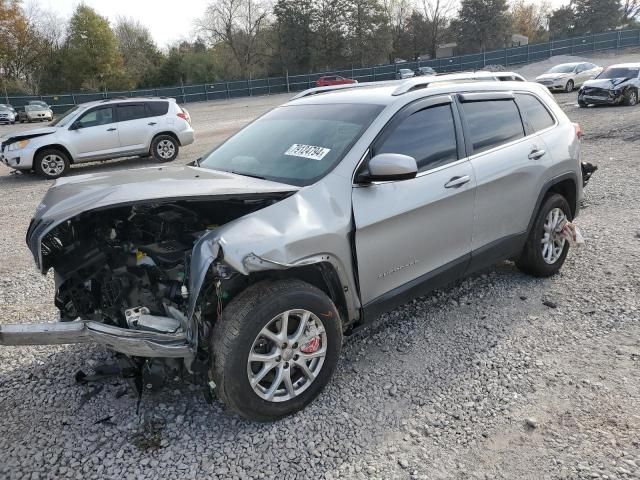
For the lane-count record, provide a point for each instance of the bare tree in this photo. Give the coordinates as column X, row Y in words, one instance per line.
column 238, row 24
column 630, row 10
column 397, row 13
column 437, row 14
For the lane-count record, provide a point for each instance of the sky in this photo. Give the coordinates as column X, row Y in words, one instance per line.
column 167, row 20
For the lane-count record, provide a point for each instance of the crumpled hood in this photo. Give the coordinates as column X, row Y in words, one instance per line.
column 36, row 132
column 605, row 83
column 549, row 76
column 73, row 195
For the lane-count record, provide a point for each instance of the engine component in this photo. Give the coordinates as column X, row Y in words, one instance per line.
column 139, row 318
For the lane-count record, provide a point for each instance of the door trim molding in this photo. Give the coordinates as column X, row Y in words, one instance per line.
column 417, row 287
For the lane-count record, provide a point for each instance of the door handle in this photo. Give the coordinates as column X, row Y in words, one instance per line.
column 112, row 129
column 151, row 123
column 536, row 154
column 457, row 182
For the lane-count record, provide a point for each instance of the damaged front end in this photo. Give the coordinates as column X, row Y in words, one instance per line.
column 123, row 273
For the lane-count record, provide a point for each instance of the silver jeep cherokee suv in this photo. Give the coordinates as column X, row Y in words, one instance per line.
column 249, row 265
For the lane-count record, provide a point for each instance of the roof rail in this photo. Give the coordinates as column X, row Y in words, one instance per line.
column 317, row 90
column 416, row 83
column 412, row 84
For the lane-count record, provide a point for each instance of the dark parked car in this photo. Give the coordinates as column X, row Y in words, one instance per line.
column 423, row 71
column 617, row 84
column 330, row 80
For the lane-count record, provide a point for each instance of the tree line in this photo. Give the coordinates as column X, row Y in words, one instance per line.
column 239, row 39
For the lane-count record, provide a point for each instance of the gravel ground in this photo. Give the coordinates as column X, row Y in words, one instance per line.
column 479, row 380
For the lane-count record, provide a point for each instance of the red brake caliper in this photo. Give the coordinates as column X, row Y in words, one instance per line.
column 312, row 345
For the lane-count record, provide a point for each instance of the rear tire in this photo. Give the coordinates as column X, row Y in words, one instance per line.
column 164, row 148
column 51, row 163
column 252, row 325
column 535, row 259
column 569, row 86
column 630, row 97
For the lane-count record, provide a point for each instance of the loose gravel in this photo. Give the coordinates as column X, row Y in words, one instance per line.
column 478, row 380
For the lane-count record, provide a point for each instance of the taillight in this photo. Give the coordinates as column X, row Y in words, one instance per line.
column 183, row 116
column 579, row 133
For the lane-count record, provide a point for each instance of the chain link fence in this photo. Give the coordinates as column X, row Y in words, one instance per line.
column 506, row 57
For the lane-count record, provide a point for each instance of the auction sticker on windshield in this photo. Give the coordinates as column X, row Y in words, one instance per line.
column 307, row 151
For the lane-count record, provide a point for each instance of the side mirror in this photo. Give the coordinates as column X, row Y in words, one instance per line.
column 75, row 126
column 387, row 167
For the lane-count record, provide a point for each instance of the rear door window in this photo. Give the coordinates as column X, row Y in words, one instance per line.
column 131, row 111
column 534, row 112
column 428, row 135
column 492, row 123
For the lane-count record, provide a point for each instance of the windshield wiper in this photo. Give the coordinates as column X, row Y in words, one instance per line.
column 247, row 175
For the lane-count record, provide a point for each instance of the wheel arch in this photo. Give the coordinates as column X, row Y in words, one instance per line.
column 565, row 185
column 55, row 146
column 322, row 275
column 169, row 133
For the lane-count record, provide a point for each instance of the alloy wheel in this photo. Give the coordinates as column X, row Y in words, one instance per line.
column 52, row 164
column 552, row 241
column 166, row 149
column 287, row 355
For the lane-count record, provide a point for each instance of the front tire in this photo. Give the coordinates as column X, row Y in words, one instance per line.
column 630, row 97
column 164, row 148
column 569, row 86
column 275, row 348
column 545, row 251
column 51, row 163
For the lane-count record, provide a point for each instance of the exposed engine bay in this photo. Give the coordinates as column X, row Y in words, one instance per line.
column 129, row 266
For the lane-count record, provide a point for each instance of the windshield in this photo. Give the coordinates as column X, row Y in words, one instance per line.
column 64, row 119
column 33, row 108
column 295, row 144
column 4, row 109
column 568, row 68
column 619, row 72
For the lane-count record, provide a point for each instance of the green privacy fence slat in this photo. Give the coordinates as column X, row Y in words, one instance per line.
column 506, row 57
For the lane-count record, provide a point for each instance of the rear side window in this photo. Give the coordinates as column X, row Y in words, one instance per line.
column 157, row 109
column 534, row 113
column 131, row 111
column 492, row 123
column 428, row 135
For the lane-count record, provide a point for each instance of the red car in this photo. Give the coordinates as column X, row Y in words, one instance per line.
column 330, row 80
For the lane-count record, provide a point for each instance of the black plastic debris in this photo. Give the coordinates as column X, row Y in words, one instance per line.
column 587, row 170
column 95, row 390
column 104, row 421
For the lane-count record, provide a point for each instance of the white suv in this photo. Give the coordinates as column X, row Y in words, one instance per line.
column 101, row 131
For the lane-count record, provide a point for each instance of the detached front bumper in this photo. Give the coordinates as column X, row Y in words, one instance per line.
column 136, row 343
